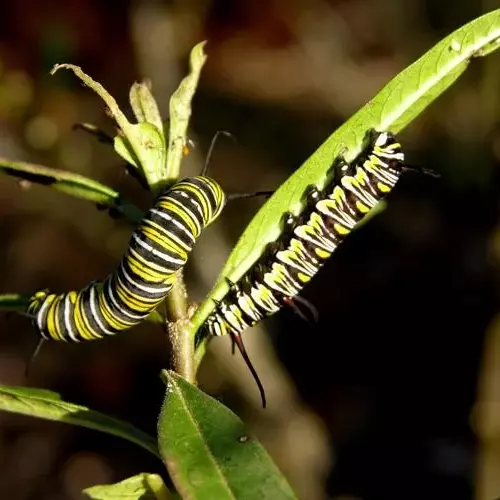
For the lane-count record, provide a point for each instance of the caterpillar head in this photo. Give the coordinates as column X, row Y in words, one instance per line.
column 36, row 301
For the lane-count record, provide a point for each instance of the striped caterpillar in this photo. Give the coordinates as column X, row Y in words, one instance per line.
column 307, row 241
column 158, row 248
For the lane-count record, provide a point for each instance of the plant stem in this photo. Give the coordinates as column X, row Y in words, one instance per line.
column 178, row 330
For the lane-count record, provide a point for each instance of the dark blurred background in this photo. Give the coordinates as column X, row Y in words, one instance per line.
column 393, row 394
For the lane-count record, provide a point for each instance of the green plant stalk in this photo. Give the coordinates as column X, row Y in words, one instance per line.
column 178, row 324
column 176, row 327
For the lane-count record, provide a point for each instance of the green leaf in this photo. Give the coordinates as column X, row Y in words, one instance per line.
column 144, row 105
column 209, row 452
column 72, row 184
column 31, row 392
column 143, row 142
column 180, row 112
column 14, row 302
column 144, row 486
column 122, row 147
column 143, row 145
column 393, row 108
column 48, row 405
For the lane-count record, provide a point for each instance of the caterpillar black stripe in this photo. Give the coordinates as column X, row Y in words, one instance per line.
column 308, row 240
column 158, row 248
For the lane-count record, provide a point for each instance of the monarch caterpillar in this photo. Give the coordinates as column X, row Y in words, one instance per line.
column 158, row 248
column 307, row 241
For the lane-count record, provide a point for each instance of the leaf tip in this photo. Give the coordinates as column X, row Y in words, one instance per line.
column 55, row 69
column 59, row 66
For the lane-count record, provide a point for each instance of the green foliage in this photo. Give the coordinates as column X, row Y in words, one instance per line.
column 141, row 487
column 48, row 405
column 142, row 144
column 14, row 302
column 180, row 112
column 393, row 108
column 206, row 449
column 72, row 184
column 144, row 106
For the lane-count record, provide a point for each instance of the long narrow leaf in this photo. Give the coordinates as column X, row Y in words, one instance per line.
column 180, row 112
column 70, row 183
column 393, row 108
column 48, row 405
